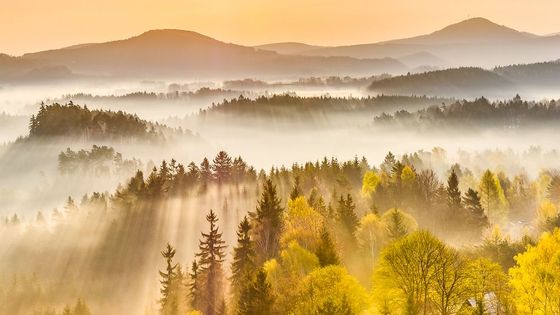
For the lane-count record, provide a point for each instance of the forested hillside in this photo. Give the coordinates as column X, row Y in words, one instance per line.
column 337, row 233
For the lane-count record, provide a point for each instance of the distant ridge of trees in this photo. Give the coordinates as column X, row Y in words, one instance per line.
column 513, row 113
column 71, row 120
column 308, row 110
column 471, row 81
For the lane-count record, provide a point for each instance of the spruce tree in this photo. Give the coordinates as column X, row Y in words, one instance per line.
column 388, row 163
column 346, row 214
column 194, row 294
column 296, row 190
column 326, row 250
column 267, row 223
column 396, row 227
column 222, row 167
column 211, row 256
column 256, row 298
column 168, row 299
column 474, row 208
column 205, row 174
column 453, row 192
column 243, row 256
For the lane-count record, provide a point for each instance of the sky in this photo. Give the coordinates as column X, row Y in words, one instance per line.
column 34, row 25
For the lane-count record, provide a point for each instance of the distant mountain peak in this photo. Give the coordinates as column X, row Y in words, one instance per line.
column 172, row 34
column 479, row 29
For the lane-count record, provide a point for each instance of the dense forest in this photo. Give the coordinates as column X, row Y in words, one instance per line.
column 279, row 110
column 325, row 237
column 510, row 114
column 332, row 82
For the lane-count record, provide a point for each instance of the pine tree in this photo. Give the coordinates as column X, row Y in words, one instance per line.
column 388, row 163
column 346, row 214
column 222, row 167
column 326, row 250
column 475, row 210
column 267, row 223
column 168, row 299
column 205, row 173
column 256, row 298
column 296, row 190
column 453, row 192
column 211, row 256
column 243, row 256
column 396, row 227
column 194, row 294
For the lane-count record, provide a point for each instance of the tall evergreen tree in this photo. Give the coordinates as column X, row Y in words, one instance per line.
column 205, row 173
column 296, row 190
column 346, row 214
column 243, row 256
column 222, row 167
column 267, row 223
column 474, row 209
column 169, row 297
column 256, row 298
column 453, row 192
column 388, row 163
column 396, row 227
column 326, row 251
column 211, row 256
column 193, row 286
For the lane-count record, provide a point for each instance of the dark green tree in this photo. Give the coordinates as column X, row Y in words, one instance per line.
column 296, row 190
column 474, row 209
column 193, row 286
column 168, row 301
column 205, row 173
column 222, row 167
column 243, row 263
column 267, row 223
column 346, row 214
column 453, row 192
column 396, row 226
column 211, row 257
column 326, row 250
column 256, row 298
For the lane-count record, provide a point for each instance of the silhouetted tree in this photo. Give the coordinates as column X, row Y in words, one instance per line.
column 211, row 256
column 267, row 223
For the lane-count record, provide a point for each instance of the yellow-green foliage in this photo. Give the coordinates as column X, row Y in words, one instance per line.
column 302, row 224
column 536, row 277
column 330, row 284
column 370, row 182
column 285, row 273
column 546, row 212
column 371, row 234
column 493, row 199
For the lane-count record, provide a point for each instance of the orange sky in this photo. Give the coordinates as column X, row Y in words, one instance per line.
column 32, row 25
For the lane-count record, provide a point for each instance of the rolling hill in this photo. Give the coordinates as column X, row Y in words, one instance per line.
column 185, row 54
column 469, row 82
column 473, row 42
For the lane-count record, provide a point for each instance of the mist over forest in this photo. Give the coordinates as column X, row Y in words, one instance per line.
column 173, row 173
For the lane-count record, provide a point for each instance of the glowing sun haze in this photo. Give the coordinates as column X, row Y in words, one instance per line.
column 32, row 25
